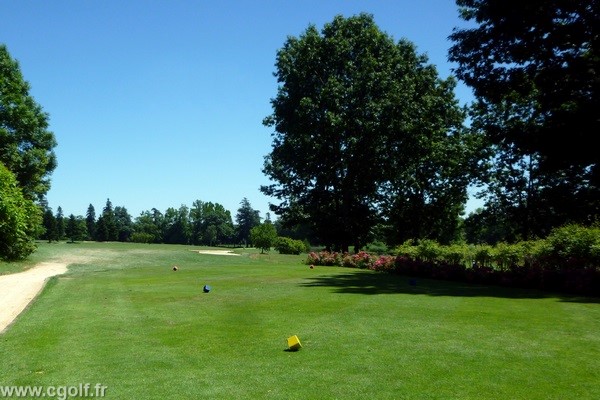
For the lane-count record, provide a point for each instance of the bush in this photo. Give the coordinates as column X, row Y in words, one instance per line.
column 575, row 246
column 377, row 247
column 568, row 260
column 142, row 237
column 20, row 219
column 428, row 250
column 286, row 245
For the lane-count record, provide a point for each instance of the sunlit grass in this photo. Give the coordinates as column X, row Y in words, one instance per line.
column 125, row 319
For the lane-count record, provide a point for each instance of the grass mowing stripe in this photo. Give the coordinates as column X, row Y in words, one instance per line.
column 125, row 319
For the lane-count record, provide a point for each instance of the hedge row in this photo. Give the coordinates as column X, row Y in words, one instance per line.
column 568, row 260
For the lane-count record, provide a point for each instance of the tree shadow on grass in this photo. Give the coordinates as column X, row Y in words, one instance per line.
column 372, row 283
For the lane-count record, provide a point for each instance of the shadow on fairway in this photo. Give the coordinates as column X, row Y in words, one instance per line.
column 365, row 282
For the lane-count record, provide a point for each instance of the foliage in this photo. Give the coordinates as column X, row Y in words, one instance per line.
column 567, row 260
column 123, row 224
column 50, row 231
column 20, row 219
column 211, row 223
column 106, row 226
column 76, row 228
column 377, row 247
column 533, row 67
column 26, row 144
column 60, row 223
column 286, row 245
column 364, row 128
column 177, row 226
column 148, row 227
column 142, row 237
column 574, row 246
column 246, row 219
column 90, row 221
column 263, row 236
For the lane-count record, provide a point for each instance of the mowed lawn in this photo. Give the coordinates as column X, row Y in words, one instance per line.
column 125, row 319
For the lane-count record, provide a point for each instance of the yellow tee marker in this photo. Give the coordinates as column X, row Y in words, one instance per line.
column 294, row 343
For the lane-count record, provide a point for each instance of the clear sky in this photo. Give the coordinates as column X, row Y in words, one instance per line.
column 159, row 103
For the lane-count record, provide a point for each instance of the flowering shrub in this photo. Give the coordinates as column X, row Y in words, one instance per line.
column 568, row 260
column 384, row 264
column 361, row 260
column 324, row 258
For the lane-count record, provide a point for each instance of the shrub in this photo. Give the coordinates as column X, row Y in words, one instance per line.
column 377, row 247
column 142, row 237
column 428, row 250
column 455, row 254
column 20, row 219
column 506, row 255
column 483, row 254
column 575, row 246
column 286, row 245
column 568, row 260
column 406, row 249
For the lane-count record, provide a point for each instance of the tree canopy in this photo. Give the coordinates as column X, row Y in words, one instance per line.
column 246, row 219
column 365, row 132
column 533, row 66
column 263, row 236
column 26, row 144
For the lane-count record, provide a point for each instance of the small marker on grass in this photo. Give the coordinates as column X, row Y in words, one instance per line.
column 294, row 343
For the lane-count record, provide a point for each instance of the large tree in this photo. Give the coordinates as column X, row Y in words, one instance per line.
column 26, row 144
column 263, row 236
column 533, row 67
column 210, row 223
column 90, row 222
column 177, row 227
column 106, row 226
column 76, row 228
column 124, row 225
column 363, row 126
column 246, row 219
column 60, row 223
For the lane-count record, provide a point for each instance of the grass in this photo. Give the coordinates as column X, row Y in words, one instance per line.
column 125, row 319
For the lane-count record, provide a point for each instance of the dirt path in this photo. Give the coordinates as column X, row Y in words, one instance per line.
column 18, row 290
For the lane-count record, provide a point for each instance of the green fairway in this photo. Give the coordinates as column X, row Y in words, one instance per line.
column 123, row 318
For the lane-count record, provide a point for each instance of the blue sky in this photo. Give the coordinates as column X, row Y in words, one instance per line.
column 159, row 103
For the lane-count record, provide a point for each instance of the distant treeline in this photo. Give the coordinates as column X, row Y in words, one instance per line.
column 204, row 223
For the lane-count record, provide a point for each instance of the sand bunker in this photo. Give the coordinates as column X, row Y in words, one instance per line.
column 217, row 252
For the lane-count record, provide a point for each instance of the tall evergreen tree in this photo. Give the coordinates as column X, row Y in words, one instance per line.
column 60, row 223
column 246, row 219
column 106, row 227
column 76, row 228
column 124, row 225
column 50, row 226
column 90, row 221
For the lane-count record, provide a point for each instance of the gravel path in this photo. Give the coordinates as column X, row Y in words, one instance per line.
column 18, row 290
